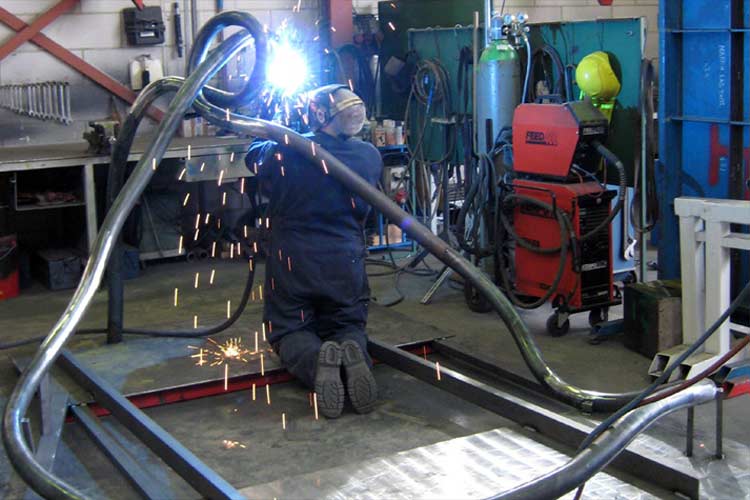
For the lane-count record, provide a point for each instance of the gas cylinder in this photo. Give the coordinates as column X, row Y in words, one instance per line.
column 498, row 87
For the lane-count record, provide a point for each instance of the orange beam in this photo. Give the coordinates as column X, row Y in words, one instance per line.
column 38, row 25
column 78, row 64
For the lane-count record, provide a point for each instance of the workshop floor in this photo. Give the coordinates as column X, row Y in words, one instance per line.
column 410, row 414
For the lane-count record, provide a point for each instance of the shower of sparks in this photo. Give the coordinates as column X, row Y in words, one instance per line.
column 262, row 365
column 242, row 186
column 282, row 171
column 392, row 26
column 229, row 445
column 226, row 377
column 280, row 257
column 333, row 29
column 244, row 230
column 195, row 321
column 197, row 231
column 268, row 394
column 197, row 279
column 203, row 166
column 231, row 157
column 190, row 152
column 153, row 163
column 208, row 218
column 221, row 176
column 351, row 85
column 255, row 168
column 286, row 139
column 179, row 246
column 354, row 205
column 223, row 200
column 250, row 264
column 211, row 279
column 255, row 247
column 176, row 296
column 182, row 174
column 302, row 315
column 197, row 220
column 213, row 250
column 313, row 148
column 325, row 167
column 256, row 341
column 268, row 223
column 437, row 370
column 263, row 330
column 252, row 295
column 260, row 292
column 218, row 220
column 279, row 157
column 229, row 309
column 289, row 263
column 270, row 327
column 239, row 249
column 185, row 201
column 253, row 392
column 229, row 116
column 315, row 405
column 201, row 357
column 231, row 251
column 283, row 421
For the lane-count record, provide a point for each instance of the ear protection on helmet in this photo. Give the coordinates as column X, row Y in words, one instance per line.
column 323, row 105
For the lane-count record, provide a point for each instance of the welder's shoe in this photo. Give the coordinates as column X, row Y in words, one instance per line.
column 360, row 383
column 329, row 388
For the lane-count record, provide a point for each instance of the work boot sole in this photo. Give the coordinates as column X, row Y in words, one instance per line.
column 360, row 383
column 329, row 388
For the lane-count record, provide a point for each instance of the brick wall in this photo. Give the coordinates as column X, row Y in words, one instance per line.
column 94, row 32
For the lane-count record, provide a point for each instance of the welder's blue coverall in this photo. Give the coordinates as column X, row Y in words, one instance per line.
column 317, row 231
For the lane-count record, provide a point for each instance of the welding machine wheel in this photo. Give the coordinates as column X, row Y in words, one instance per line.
column 555, row 328
column 476, row 300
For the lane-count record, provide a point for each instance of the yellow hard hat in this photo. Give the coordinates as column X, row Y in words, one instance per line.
column 596, row 78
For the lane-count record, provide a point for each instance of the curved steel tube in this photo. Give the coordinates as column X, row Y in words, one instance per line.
column 588, row 400
column 602, row 451
column 189, row 91
column 28, row 468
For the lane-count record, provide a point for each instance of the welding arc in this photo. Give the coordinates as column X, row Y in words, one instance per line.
column 22, row 458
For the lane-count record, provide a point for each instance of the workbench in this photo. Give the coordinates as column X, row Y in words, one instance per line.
column 211, row 152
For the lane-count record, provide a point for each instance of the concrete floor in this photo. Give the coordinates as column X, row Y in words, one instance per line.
column 410, row 413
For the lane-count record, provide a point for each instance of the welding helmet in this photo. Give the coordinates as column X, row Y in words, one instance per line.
column 337, row 106
column 596, row 78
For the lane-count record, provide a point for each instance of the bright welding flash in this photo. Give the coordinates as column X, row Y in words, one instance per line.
column 287, row 70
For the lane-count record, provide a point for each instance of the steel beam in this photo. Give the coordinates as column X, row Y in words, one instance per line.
column 78, row 64
column 562, row 429
column 145, row 483
column 201, row 477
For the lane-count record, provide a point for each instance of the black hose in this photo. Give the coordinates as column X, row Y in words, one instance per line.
column 208, row 33
column 566, row 236
column 610, row 157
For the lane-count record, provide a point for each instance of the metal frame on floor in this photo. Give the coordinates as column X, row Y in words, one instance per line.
column 108, row 400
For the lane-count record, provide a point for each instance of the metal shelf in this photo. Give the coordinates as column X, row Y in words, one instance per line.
column 30, row 208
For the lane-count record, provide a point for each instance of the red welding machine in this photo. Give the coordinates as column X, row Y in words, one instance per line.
column 555, row 163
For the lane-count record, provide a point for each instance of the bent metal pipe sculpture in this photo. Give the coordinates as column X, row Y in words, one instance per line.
column 214, row 105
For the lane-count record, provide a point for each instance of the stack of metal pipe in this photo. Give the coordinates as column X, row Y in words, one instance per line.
column 40, row 100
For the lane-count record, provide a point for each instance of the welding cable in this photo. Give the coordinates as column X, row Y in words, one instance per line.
column 528, row 69
column 610, row 157
column 115, row 181
column 557, row 84
column 474, row 200
column 567, row 235
column 652, row 201
column 20, row 455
